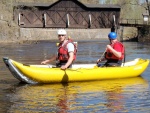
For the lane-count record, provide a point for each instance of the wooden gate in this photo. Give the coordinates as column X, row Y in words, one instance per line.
column 68, row 14
column 30, row 19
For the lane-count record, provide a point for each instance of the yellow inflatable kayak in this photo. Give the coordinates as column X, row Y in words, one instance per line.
column 78, row 72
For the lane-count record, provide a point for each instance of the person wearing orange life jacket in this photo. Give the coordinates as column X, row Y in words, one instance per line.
column 66, row 51
column 114, row 52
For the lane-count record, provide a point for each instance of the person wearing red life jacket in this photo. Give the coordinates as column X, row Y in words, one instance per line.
column 114, row 52
column 66, row 51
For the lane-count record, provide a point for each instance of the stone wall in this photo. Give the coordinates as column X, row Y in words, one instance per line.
column 144, row 34
column 128, row 33
column 9, row 30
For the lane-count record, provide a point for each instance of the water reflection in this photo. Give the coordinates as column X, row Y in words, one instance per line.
column 107, row 96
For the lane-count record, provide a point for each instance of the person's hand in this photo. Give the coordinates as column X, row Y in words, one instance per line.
column 98, row 60
column 44, row 62
column 63, row 67
column 108, row 47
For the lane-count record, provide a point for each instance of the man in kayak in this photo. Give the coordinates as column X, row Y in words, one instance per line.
column 114, row 53
column 66, row 51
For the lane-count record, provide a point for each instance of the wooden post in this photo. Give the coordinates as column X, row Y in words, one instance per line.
column 19, row 19
column 148, row 7
column 114, row 27
column 90, row 21
column 121, row 36
column 45, row 19
column 68, row 22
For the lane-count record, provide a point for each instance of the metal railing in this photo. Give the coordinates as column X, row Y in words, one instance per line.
column 134, row 22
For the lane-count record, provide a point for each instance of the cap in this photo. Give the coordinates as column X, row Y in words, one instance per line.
column 61, row 32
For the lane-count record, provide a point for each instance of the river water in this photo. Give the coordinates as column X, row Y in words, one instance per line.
column 130, row 95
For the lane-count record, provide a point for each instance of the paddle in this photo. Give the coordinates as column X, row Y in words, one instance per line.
column 101, row 57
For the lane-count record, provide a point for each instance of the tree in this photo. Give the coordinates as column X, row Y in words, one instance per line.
column 129, row 8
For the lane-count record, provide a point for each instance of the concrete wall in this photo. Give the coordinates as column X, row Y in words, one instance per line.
column 48, row 34
column 125, row 33
column 15, row 34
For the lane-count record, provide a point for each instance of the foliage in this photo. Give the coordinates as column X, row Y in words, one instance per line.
column 129, row 8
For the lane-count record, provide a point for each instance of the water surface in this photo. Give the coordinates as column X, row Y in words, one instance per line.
column 120, row 95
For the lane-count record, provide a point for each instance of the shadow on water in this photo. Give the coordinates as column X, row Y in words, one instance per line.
column 65, row 78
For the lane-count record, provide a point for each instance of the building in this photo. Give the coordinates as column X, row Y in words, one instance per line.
column 67, row 14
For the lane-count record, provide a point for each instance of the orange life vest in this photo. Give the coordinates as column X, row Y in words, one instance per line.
column 110, row 56
column 63, row 54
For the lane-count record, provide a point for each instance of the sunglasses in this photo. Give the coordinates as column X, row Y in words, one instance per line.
column 61, row 35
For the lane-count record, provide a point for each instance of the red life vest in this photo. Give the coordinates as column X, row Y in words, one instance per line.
column 63, row 54
column 110, row 56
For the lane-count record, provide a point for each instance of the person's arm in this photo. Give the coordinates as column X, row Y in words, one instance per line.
column 70, row 60
column 49, row 60
column 116, row 53
column 71, row 50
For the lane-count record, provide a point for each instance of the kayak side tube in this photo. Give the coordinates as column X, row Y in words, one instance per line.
column 16, row 73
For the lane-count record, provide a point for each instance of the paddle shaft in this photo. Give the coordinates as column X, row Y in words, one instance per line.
column 102, row 55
